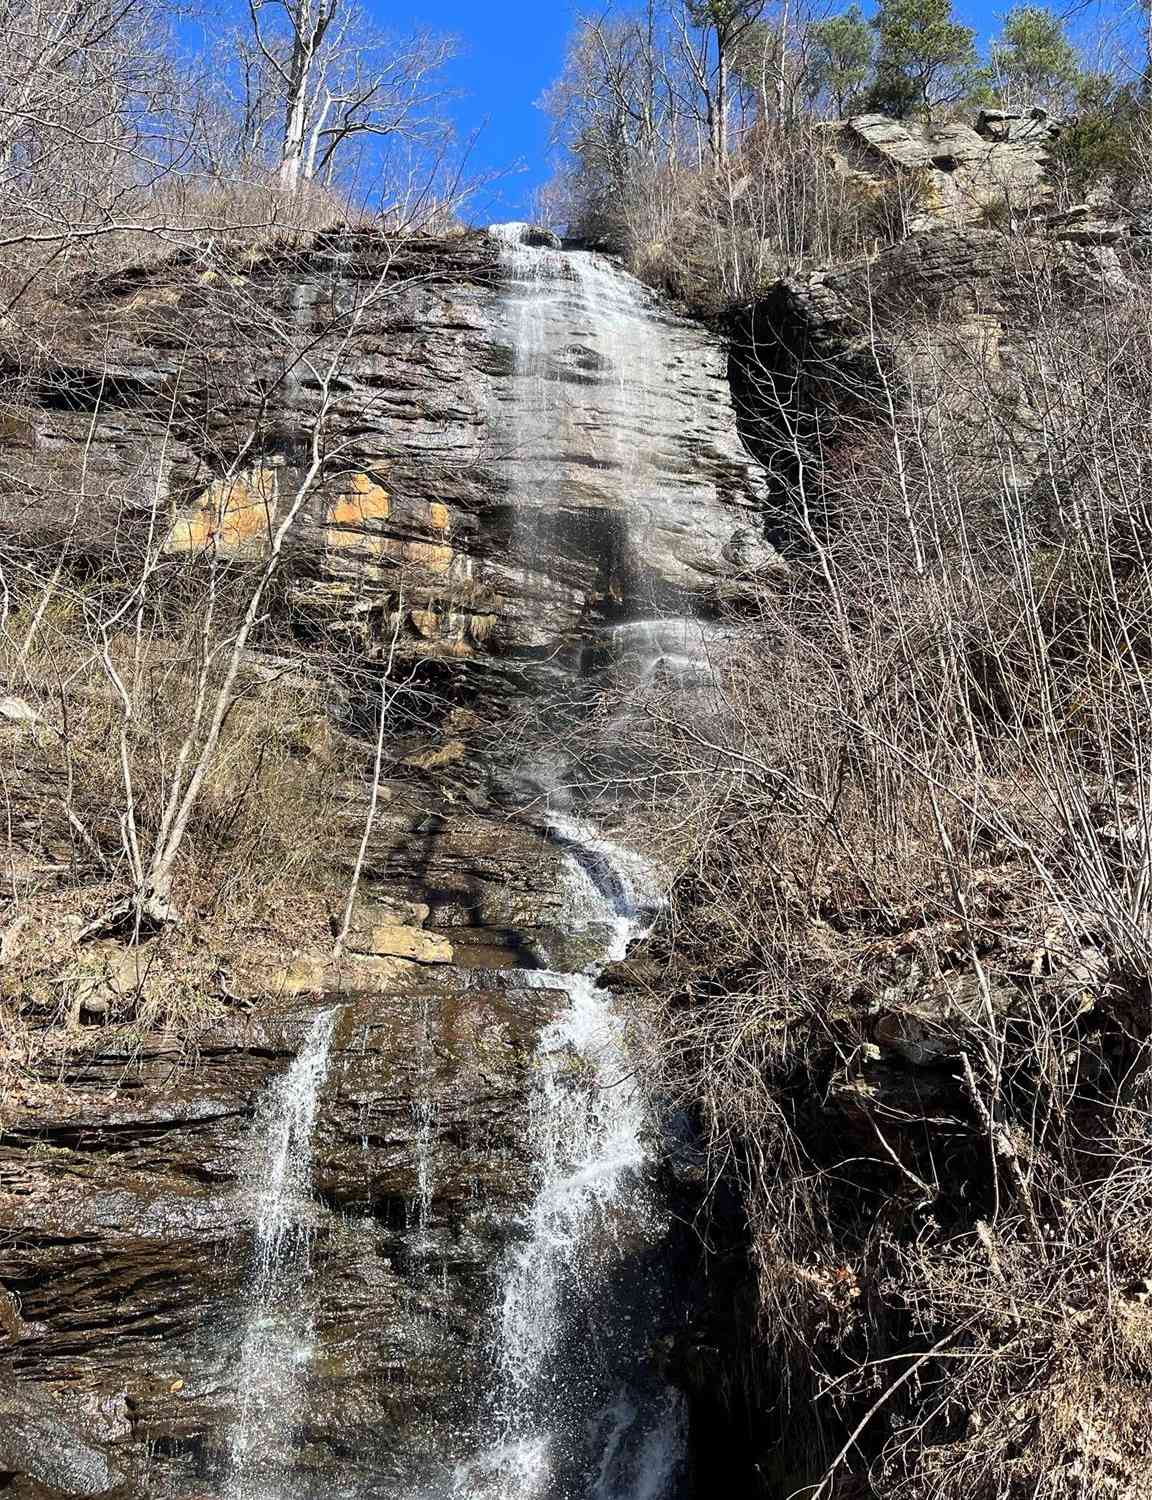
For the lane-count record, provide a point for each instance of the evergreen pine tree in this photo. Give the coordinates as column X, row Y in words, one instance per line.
column 925, row 58
column 841, row 57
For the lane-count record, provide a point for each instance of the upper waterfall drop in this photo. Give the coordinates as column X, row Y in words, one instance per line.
column 607, row 454
column 582, row 336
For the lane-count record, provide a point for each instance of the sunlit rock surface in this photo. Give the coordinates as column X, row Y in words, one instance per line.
column 440, row 460
column 953, row 174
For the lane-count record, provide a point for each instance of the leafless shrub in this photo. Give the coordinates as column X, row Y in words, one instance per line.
column 908, row 965
column 778, row 206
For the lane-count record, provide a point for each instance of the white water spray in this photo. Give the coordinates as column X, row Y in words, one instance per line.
column 277, row 1343
column 582, row 387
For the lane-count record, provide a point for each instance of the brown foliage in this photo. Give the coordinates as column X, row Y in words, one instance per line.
column 910, row 951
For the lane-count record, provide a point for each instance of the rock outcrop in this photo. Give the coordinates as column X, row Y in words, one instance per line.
column 42, row 1452
column 126, row 1220
column 956, row 174
column 957, row 315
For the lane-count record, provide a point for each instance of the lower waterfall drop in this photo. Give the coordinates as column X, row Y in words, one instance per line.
column 422, row 1120
column 577, row 1414
column 276, row 1345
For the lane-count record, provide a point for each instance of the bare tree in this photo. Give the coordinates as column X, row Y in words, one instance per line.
column 88, row 118
column 710, row 33
column 333, row 82
column 618, row 108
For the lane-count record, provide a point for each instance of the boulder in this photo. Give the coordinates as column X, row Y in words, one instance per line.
column 953, row 175
column 16, row 711
column 931, row 1024
column 536, row 234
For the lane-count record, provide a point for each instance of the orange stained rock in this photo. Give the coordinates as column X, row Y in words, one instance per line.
column 435, row 556
column 363, row 502
column 426, row 622
column 233, row 514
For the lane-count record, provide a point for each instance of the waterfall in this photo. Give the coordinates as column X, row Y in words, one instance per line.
column 276, row 1345
column 594, row 410
column 577, row 331
column 579, row 1413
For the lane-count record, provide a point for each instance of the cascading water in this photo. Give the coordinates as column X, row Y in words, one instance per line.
column 593, row 471
column 579, row 1413
column 575, row 329
column 590, row 428
column 578, row 1408
column 276, row 1345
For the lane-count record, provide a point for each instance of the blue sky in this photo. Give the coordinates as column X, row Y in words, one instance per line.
column 511, row 51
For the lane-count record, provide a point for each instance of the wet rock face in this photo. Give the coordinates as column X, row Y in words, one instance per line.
column 428, row 520
column 128, row 1225
column 44, row 1453
column 620, row 460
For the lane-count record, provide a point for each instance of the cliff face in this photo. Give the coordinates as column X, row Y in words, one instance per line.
column 967, row 322
column 957, row 174
column 456, row 528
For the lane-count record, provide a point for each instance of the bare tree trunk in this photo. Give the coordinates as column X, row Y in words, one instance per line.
column 308, row 29
column 292, row 146
column 374, row 799
column 721, row 117
column 783, row 112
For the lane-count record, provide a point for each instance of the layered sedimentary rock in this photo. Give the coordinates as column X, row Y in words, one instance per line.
column 449, row 520
column 128, row 1212
column 196, row 388
column 957, row 318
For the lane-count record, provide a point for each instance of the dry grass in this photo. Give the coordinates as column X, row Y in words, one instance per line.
column 714, row 239
column 261, row 868
column 271, row 781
